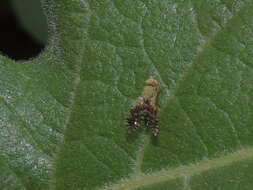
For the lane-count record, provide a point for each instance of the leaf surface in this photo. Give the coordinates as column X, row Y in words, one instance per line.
column 62, row 115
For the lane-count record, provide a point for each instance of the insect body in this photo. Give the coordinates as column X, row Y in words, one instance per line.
column 144, row 111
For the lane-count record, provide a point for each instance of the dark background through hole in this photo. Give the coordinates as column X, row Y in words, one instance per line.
column 16, row 42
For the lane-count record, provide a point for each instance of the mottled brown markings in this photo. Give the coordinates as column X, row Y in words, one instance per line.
column 144, row 111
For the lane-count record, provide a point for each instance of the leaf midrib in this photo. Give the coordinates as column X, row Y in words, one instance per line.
column 183, row 171
column 76, row 83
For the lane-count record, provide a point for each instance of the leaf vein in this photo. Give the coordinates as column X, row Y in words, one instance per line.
column 194, row 127
column 190, row 68
column 182, row 171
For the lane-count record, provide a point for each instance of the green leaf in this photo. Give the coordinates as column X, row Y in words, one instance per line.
column 62, row 114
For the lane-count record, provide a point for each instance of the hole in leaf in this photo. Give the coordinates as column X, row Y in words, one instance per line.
column 23, row 33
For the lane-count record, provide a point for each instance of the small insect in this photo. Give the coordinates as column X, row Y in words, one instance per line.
column 144, row 111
